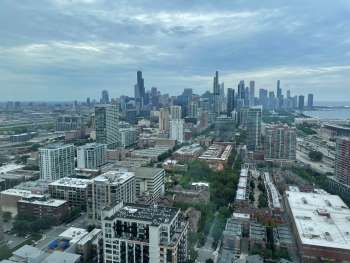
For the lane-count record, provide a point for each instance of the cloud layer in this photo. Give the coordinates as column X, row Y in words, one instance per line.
column 72, row 49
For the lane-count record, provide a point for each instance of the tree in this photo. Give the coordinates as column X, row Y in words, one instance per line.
column 315, row 156
column 6, row 216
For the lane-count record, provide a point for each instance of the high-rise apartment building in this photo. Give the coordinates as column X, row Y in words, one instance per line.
column 230, row 101
column 310, row 101
column 56, row 161
column 342, row 160
column 301, row 102
column 144, row 233
column 254, row 128
column 128, row 136
column 106, row 122
column 91, row 156
column 193, row 109
column 175, row 112
column 108, row 189
column 150, row 184
column 164, row 120
column 69, row 122
column 280, row 143
column 73, row 190
column 177, row 130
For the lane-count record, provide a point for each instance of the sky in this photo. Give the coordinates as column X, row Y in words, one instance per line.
column 73, row 49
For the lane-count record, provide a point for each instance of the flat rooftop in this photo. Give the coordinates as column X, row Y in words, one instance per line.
column 217, row 152
column 189, row 149
column 151, row 152
column 147, row 172
column 62, row 257
column 44, row 202
column 56, row 146
column 20, row 193
column 156, row 215
column 71, row 182
column 114, row 177
column 92, row 145
column 321, row 220
column 10, row 167
column 240, row 194
column 73, row 234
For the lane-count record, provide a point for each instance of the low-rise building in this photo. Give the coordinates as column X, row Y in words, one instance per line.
column 188, row 153
column 320, row 223
column 54, row 209
column 217, row 155
column 10, row 197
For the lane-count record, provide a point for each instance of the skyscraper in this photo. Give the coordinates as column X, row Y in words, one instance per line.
column 107, row 119
column 301, row 102
column 230, row 101
column 139, row 91
column 251, row 93
column 254, row 128
column 104, row 97
column 342, row 160
column 279, row 95
column 310, row 101
column 280, row 142
column 56, row 161
column 216, row 93
column 263, row 98
column 164, row 120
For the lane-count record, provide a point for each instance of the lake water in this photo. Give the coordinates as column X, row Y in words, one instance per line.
column 331, row 113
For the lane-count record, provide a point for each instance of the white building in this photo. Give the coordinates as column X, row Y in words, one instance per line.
column 128, row 136
column 56, row 161
column 321, row 224
column 91, row 156
column 177, row 130
column 150, row 183
column 108, row 189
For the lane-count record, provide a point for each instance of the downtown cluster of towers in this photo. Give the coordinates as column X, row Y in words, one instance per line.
column 218, row 101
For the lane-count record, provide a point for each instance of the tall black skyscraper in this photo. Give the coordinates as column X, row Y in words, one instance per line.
column 230, row 101
column 104, row 97
column 216, row 93
column 279, row 90
column 139, row 91
column 301, row 102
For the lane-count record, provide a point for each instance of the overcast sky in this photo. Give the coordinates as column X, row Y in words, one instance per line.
column 72, row 49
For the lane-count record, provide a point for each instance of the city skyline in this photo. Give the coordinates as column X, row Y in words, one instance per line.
column 100, row 45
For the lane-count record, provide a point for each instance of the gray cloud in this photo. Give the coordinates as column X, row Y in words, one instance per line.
column 71, row 49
